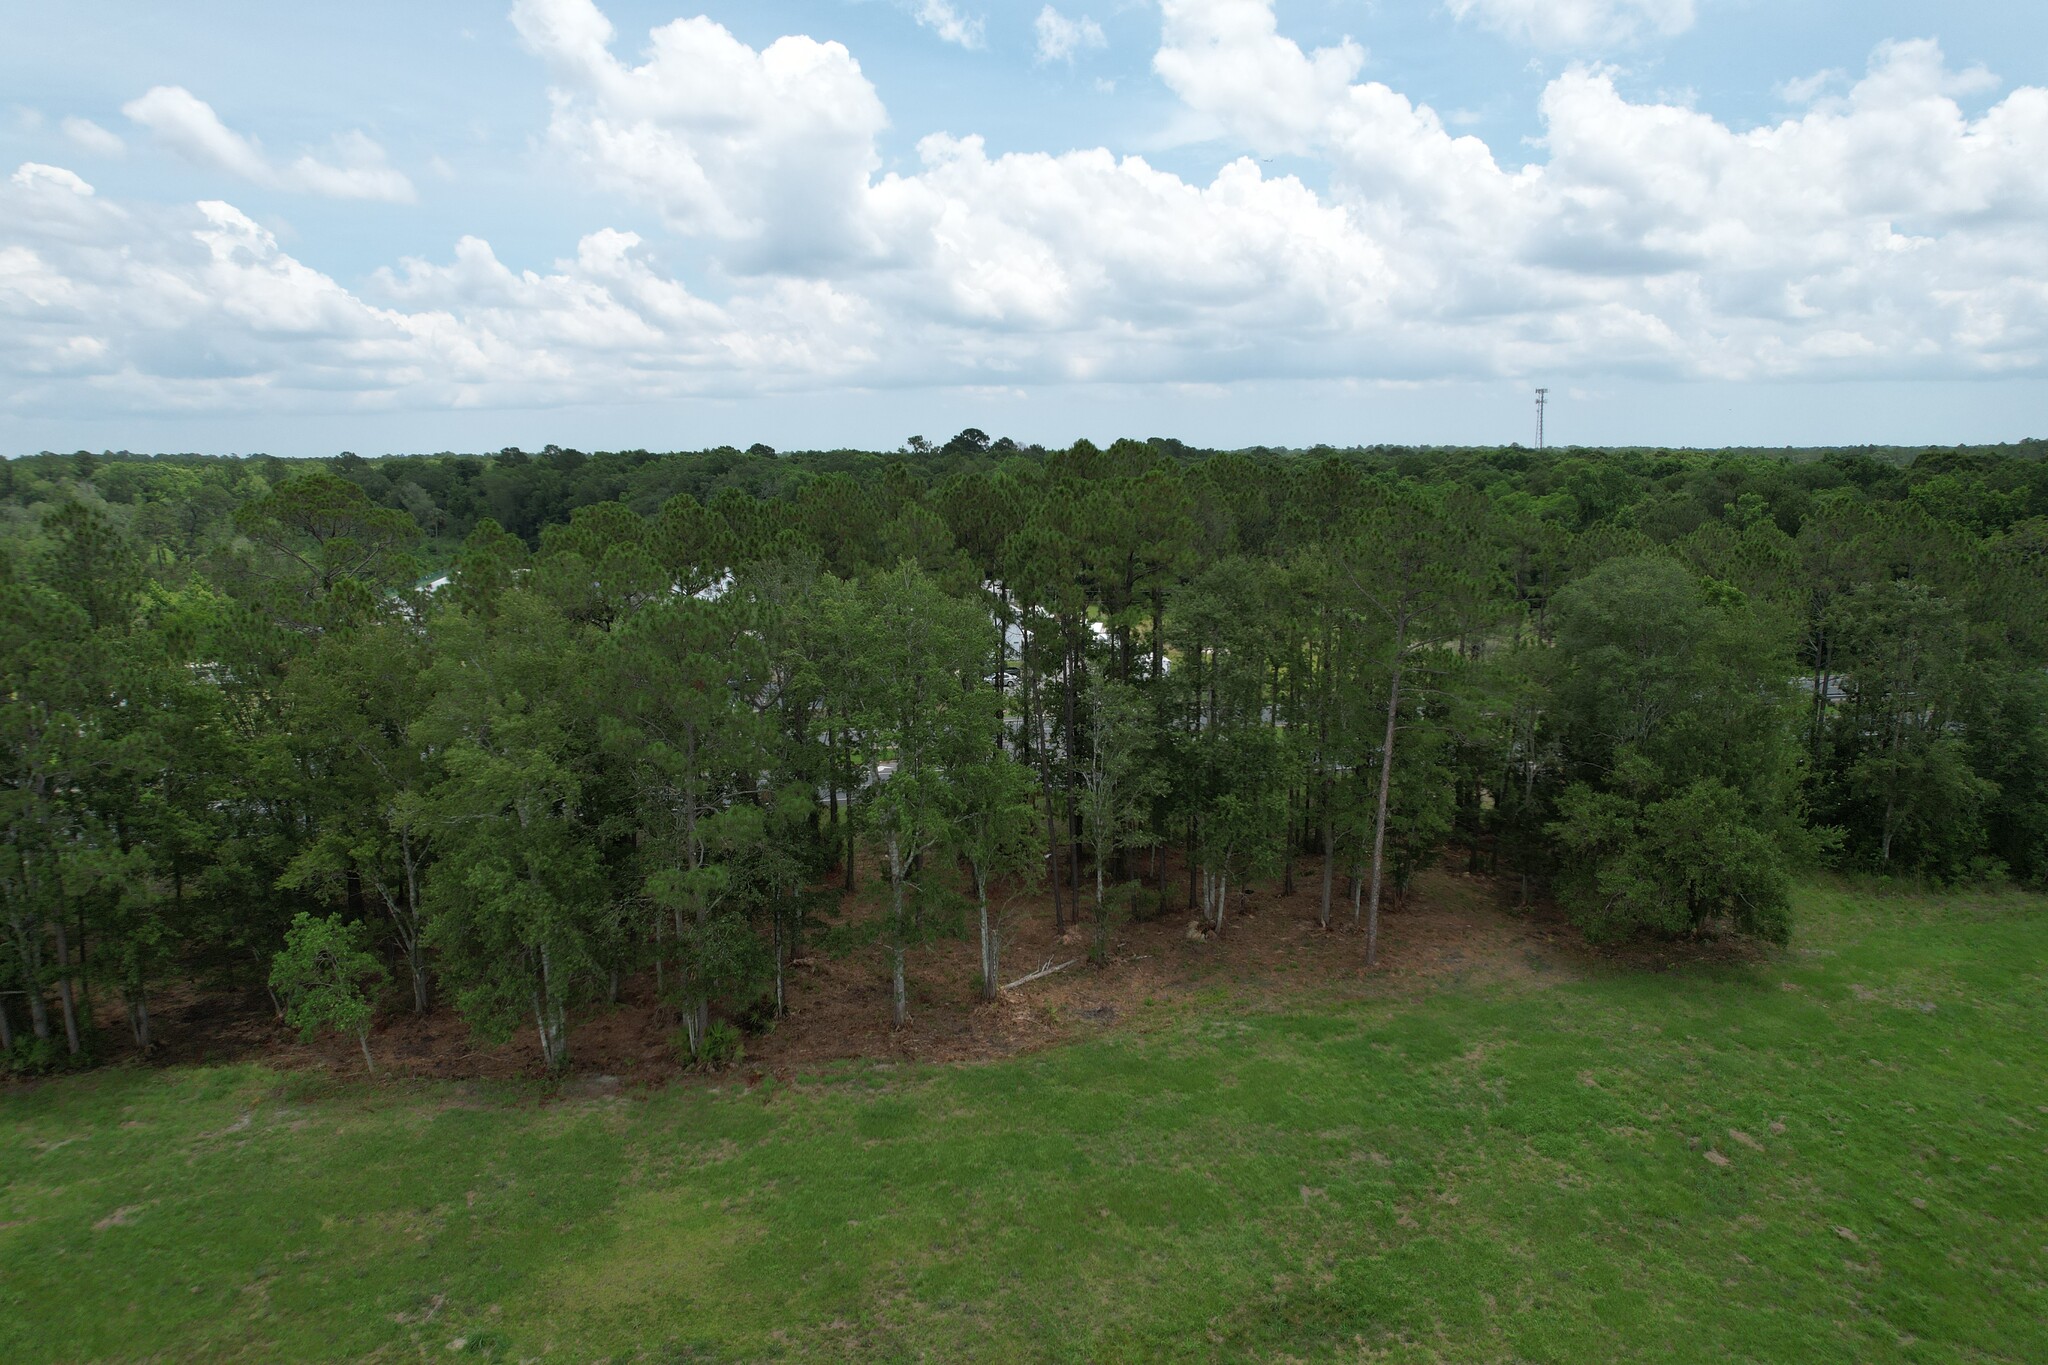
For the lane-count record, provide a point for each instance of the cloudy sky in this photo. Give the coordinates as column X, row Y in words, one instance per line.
column 675, row 223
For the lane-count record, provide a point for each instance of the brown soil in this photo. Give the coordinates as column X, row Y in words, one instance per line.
column 1454, row 926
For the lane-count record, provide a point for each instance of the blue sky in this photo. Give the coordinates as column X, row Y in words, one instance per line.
column 238, row 226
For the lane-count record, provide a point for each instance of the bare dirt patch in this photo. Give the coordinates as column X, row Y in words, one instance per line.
column 1453, row 927
column 120, row 1217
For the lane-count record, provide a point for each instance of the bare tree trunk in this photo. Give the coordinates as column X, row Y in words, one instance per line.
column 363, row 1037
column 1033, row 719
column 6, row 1029
column 548, row 1007
column 832, row 773
column 82, row 986
column 1379, row 823
column 775, row 943
column 1158, row 634
column 1002, row 666
column 1329, row 869
column 1073, row 751
column 660, row 976
column 540, row 1025
column 64, row 996
column 1029, row 736
column 851, row 886
column 845, row 767
column 27, row 941
column 415, row 959
column 989, row 965
column 899, row 1002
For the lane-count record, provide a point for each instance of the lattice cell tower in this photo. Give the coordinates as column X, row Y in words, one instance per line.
column 1542, row 402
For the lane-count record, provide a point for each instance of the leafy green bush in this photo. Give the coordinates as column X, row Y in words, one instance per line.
column 325, row 974
column 33, row 1056
column 723, row 1046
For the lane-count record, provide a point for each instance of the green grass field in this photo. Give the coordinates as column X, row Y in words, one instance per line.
column 1840, row 1154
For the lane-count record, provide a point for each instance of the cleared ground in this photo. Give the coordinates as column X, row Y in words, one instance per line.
column 1835, row 1152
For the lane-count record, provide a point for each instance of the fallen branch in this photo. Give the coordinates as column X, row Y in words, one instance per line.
column 1047, row 970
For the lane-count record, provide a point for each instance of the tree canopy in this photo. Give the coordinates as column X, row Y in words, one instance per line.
column 517, row 727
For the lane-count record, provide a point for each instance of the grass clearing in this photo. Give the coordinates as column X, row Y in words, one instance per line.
column 1838, row 1154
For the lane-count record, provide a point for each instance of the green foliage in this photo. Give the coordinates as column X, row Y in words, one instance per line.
column 327, row 979
column 542, row 721
column 1670, row 866
column 519, row 905
column 723, row 1047
column 1676, row 723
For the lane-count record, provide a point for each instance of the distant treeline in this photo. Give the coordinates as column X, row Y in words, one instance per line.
column 512, row 727
column 448, row 494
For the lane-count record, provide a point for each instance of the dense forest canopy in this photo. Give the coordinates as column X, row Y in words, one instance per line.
column 489, row 733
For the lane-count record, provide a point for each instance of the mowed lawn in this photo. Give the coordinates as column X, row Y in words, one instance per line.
column 1838, row 1154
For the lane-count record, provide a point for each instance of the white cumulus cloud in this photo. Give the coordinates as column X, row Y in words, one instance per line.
column 199, row 309
column 771, row 148
column 37, row 178
column 1577, row 25
column 949, row 23
column 1883, row 231
column 189, row 126
column 1060, row 38
column 89, row 136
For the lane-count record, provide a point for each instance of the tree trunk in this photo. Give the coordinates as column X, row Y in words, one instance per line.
column 899, row 1003
column 1329, row 869
column 1073, row 751
column 1287, row 847
column 1379, row 822
column 415, row 959
column 363, row 1037
column 1028, row 684
column 405, row 922
column 554, row 1048
column 1158, row 634
column 1002, row 666
column 846, row 770
column 6, row 1030
column 32, row 978
column 1052, row 838
column 851, row 886
column 832, row 773
column 82, row 986
column 64, row 996
column 540, row 1025
column 988, row 941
